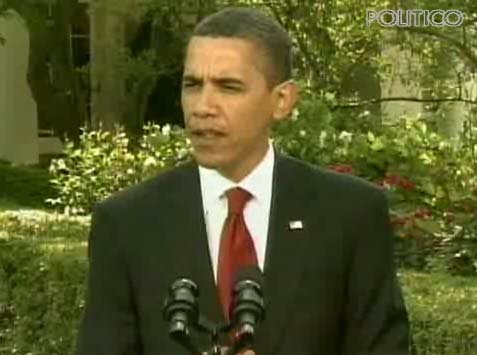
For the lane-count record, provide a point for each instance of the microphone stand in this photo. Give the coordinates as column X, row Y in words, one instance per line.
column 204, row 325
column 181, row 311
column 242, row 341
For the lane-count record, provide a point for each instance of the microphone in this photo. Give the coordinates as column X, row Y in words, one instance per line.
column 248, row 308
column 181, row 311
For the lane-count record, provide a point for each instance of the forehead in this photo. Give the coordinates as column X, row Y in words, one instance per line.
column 221, row 56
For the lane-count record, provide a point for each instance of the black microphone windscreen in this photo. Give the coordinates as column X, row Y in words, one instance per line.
column 251, row 273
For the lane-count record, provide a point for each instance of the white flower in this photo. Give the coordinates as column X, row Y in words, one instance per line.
column 166, row 130
column 150, row 161
column 295, row 114
column 346, row 136
column 323, row 136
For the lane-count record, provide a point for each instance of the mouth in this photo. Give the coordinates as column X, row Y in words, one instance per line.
column 206, row 134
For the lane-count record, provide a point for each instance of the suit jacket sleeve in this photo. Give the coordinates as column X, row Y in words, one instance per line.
column 376, row 317
column 109, row 325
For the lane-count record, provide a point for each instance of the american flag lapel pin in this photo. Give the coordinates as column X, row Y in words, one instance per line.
column 295, row 225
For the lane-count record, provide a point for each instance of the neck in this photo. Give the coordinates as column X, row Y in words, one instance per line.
column 237, row 173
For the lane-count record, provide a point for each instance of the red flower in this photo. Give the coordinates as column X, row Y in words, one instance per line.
column 423, row 213
column 342, row 168
column 398, row 221
column 450, row 217
column 399, row 181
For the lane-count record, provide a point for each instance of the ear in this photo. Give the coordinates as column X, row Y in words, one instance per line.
column 285, row 98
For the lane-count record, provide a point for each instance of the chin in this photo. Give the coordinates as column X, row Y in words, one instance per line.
column 209, row 161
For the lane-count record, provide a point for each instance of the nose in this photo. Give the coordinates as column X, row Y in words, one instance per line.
column 205, row 104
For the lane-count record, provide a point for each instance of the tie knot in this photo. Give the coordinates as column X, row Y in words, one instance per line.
column 237, row 198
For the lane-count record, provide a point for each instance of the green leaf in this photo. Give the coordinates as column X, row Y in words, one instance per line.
column 429, row 226
column 377, row 144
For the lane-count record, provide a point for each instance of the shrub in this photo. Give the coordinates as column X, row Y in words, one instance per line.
column 106, row 162
column 42, row 272
column 443, row 312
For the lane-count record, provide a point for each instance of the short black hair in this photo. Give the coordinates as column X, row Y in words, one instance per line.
column 255, row 26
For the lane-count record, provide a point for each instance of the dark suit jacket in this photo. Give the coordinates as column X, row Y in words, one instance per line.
column 330, row 288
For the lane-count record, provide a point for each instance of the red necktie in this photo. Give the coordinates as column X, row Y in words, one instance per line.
column 236, row 246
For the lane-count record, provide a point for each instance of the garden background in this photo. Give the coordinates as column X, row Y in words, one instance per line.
column 395, row 106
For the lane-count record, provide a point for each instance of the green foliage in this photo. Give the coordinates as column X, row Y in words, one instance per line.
column 24, row 185
column 442, row 310
column 3, row 14
column 430, row 181
column 43, row 270
column 42, row 274
column 105, row 162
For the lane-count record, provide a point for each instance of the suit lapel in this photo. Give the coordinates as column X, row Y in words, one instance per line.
column 193, row 242
column 285, row 250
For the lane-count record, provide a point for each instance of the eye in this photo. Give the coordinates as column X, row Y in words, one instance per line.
column 231, row 88
column 191, row 83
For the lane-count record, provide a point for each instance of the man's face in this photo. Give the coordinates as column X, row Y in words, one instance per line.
column 228, row 107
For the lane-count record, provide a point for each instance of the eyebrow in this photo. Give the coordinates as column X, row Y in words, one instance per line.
column 219, row 80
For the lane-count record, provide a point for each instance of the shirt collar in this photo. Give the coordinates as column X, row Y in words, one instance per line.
column 258, row 182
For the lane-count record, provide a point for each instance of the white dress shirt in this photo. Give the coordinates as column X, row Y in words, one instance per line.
column 256, row 212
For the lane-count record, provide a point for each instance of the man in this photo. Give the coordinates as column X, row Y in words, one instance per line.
column 323, row 240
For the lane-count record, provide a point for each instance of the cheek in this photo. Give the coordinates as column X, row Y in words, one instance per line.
column 187, row 110
column 260, row 112
column 250, row 123
column 184, row 103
